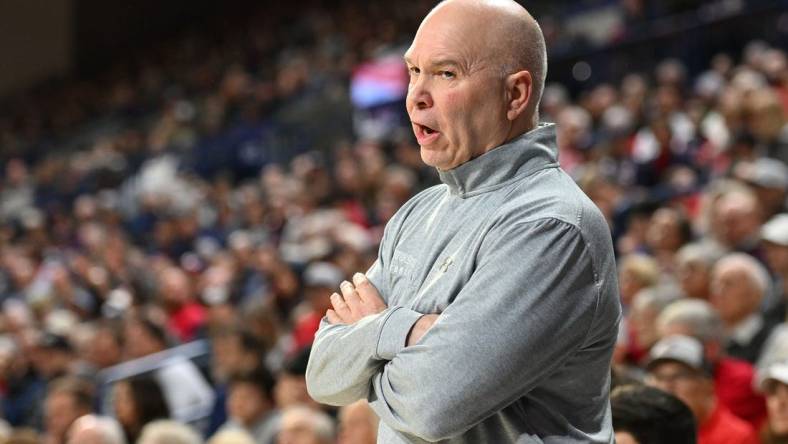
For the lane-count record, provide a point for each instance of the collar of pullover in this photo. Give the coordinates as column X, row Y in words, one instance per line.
column 526, row 154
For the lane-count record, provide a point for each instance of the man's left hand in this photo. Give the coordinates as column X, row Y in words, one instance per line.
column 357, row 300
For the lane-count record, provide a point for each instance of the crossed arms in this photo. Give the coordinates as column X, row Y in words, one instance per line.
column 520, row 316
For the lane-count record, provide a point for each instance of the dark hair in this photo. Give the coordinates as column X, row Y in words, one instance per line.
column 79, row 389
column 260, row 378
column 296, row 365
column 149, row 402
column 249, row 342
column 652, row 416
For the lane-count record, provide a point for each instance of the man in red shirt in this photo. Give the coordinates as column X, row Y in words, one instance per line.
column 678, row 366
column 733, row 378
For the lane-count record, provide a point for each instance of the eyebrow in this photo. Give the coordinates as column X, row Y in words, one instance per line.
column 437, row 62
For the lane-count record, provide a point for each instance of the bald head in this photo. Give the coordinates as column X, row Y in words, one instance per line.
column 477, row 71
column 504, row 33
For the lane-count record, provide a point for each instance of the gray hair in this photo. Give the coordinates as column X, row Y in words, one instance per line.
column 654, row 298
column 748, row 264
column 696, row 252
column 700, row 318
column 107, row 429
column 322, row 424
column 168, row 432
column 232, row 436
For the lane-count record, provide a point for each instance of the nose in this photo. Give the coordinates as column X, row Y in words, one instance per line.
column 419, row 96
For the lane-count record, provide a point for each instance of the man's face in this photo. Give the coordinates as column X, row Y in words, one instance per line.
column 777, row 407
column 246, row 404
column 733, row 294
column 456, row 97
column 357, row 424
column 694, row 278
column 684, row 383
column 296, row 429
column 60, row 411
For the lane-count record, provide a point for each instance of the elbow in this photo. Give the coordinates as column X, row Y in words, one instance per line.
column 318, row 389
column 328, row 391
column 434, row 429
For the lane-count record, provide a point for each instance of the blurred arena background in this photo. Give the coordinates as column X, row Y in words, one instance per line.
column 183, row 184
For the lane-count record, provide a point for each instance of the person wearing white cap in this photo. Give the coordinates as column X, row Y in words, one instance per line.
column 677, row 365
column 774, row 241
column 774, row 384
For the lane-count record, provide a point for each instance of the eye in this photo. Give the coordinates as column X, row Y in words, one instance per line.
column 448, row 75
column 414, row 70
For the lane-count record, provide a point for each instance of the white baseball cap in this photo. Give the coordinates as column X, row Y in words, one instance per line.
column 776, row 230
column 777, row 371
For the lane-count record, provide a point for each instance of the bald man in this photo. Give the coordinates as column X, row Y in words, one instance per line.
column 491, row 313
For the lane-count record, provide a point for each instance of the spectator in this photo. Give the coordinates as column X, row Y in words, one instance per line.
column 774, row 384
column 733, row 378
column 358, row 424
column 186, row 390
column 646, row 415
column 235, row 436
column 637, row 271
column 185, row 314
column 647, row 306
column 678, row 366
column 738, row 221
column 234, row 352
column 774, row 240
column 92, row 429
column 302, row 425
column 137, row 402
column 739, row 284
column 320, row 280
column 693, row 270
column 250, row 405
column 168, row 432
column 290, row 387
column 67, row 399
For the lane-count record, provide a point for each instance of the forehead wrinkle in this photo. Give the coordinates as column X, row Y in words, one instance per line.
column 449, row 50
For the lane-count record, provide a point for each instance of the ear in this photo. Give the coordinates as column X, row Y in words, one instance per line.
column 519, row 87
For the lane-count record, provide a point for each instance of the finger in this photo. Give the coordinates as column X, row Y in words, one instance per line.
column 365, row 289
column 340, row 307
column 333, row 318
column 351, row 298
column 369, row 295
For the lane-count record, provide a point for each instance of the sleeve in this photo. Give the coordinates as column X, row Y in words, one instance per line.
column 526, row 308
column 344, row 358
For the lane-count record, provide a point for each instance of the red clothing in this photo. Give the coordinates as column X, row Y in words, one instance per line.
column 185, row 321
column 305, row 328
column 723, row 427
column 733, row 380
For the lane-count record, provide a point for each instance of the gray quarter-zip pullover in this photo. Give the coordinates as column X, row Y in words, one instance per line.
column 519, row 263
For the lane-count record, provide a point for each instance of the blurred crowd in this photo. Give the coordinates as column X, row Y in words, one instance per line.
column 170, row 234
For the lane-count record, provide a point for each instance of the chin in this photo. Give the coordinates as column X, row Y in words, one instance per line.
column 431, row 158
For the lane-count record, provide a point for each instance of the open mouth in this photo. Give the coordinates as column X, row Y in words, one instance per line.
column 424, row 134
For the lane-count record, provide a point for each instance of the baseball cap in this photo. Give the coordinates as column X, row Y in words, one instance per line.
column 679, row 348
column 777, row 371
column 765, row 172
column 776, row 230
column 323, row 274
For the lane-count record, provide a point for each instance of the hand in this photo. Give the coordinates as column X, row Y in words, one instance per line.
column 420, row 328
column 358, row 300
